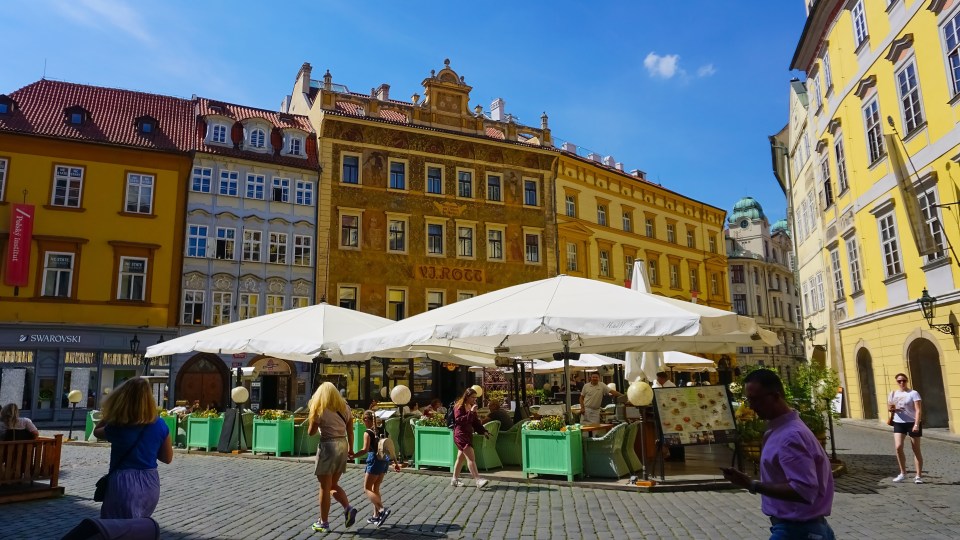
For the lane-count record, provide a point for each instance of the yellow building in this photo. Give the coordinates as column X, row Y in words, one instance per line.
column 883, row 103
column 608, row 218
column 103, row 174
column 423, row 203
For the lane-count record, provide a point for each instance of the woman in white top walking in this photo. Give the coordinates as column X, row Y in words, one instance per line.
column 907, row 411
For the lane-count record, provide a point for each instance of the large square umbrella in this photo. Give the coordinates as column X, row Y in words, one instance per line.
column 562, row 313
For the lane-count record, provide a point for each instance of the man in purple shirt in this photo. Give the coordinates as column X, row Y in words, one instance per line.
column 796, row 480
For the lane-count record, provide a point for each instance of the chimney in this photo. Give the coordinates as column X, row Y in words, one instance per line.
column 303, row 78
column 569, row 147
column 639, row 174
column 594, row 156
column 327, row 81
column 609, row 161
column 383, row 92
column 497, row 110
column 618, row 166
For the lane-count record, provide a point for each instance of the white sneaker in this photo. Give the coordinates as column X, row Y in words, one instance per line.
column 898, row 478
column 482, row 483
column 456, row 482
column 917, row 480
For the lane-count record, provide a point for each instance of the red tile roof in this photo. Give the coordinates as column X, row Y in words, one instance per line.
column 113, row 113
column 278, row 120
column 495, row 133
column 393, row 116
column 348, row 107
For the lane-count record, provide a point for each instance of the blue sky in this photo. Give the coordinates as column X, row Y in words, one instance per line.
column 688, row 94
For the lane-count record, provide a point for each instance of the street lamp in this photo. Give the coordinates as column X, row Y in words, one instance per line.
column 135, row 351
column 73, row 397
column 401, row 396
column 928, row 306
column 811, row 332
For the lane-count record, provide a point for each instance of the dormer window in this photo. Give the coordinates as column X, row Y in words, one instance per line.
column 218, row 133
column 258, row 138
column 296, row 146
column 146, row 125
column 76, row 115
column 4, row 108
column 6, row 105
column 76, row 118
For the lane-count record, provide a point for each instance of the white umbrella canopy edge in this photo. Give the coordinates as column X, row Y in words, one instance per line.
column 297, row 335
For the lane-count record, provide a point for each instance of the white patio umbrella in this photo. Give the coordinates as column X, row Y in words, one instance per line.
column 562, row 313
column 298, row 334
column 586, row 361
column 645, row 364
column 679, row 360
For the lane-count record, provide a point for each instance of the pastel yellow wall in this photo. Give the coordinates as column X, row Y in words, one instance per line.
column 883, row 325
column 594, row 185
column 31, row 162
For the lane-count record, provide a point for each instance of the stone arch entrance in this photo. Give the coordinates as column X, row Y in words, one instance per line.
column 203, row 378
column 868, row 389
column 926, row 378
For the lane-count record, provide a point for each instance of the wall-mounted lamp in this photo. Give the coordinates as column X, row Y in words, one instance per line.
column 811, row 332
column 928, row 306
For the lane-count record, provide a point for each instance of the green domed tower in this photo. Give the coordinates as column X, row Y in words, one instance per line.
column 746, row 211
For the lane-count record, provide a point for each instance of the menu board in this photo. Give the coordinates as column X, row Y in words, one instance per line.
column 694, row 415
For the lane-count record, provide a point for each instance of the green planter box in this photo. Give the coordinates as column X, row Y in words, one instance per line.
column 90, row 425
column 552, row 452
column 203, row 432
column 358, row 430
column 434, row 447
column 273, row 436
column 171, row 422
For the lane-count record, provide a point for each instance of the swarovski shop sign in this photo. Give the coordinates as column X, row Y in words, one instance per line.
column 46, row 338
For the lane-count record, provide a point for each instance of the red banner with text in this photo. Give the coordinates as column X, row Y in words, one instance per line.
column 18, row 246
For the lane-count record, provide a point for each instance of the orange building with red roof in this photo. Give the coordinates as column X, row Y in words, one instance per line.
column 99, row 174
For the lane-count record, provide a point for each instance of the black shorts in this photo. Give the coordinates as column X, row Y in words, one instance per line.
column 907, row 429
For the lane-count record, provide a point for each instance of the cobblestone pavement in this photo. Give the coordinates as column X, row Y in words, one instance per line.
column 229, row 498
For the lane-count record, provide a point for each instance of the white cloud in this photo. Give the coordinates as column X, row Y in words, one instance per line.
column 112, row 13
column 664, row 67
column 706, row 70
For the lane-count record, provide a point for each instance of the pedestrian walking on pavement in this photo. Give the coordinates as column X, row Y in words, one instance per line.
column 138, row 438
column 377, row 466
column 329, row 415
column 465, row 423
column 907, row 409
column 796, row 480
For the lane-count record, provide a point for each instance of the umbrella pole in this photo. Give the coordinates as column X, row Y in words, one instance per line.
column 565, row 337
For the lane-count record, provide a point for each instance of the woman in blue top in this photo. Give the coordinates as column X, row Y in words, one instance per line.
column 138, row 438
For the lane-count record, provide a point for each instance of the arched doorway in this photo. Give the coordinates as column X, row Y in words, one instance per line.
column 868, row 389
column 927, row 379
column 273, row 389
column 203, row 378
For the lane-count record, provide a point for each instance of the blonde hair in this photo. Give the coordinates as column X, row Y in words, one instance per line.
column 132, row 403
column 326, row 397
column 9, row 415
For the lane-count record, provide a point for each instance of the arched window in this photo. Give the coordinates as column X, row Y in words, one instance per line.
column 258, row 138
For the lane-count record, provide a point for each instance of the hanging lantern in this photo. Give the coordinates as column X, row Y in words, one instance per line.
column 450, row 366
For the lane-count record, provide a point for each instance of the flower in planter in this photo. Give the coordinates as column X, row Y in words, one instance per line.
column 432, row 420
column 162, row 412
column 547, row 423
column 273, row 414
column 209, row 413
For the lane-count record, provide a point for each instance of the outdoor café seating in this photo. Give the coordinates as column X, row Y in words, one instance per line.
column 486, row 449
column 509, row 446
column 603, row 456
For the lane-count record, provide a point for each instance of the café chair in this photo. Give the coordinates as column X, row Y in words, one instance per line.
column 603, row 456
column 629, row 454
column 486, row 449
column 304, row 444
column 392, row 427
column 510, row 446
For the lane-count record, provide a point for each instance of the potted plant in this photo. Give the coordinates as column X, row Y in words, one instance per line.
column 46, row 398
column 203, row 429
column 273, row 432
column 433, row 442
column 549, row 446
column 170, row 420
column 810, row 391
column 496, row 395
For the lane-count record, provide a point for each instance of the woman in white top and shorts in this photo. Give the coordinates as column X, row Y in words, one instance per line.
column 907, row 409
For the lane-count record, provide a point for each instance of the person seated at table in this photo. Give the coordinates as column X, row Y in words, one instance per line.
column 412, row 410
column 663, row 381
column 497, row 413
column 435, row 407
column 555, row 388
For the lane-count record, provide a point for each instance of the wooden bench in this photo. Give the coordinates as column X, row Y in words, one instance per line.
column 30, row 469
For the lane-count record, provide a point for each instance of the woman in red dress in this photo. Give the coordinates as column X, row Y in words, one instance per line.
column 465, row 423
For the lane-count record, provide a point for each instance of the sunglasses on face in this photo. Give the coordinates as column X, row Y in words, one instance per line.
column 901, row 380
